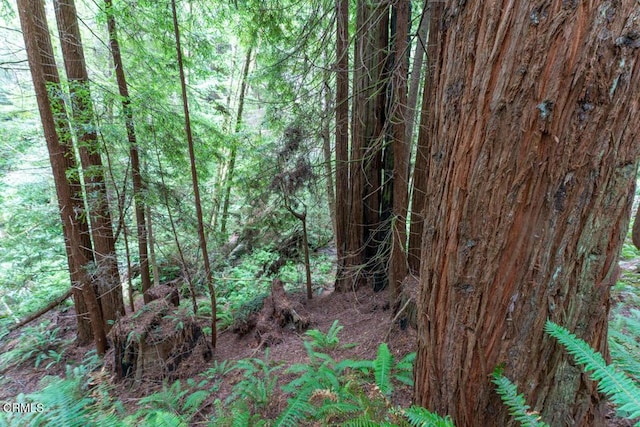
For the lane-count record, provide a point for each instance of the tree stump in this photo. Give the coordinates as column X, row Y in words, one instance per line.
column 154, row 341
column 166, row 292
column 278, row 313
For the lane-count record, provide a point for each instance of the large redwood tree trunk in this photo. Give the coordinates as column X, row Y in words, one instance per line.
column 529, row 187
column 107, row 276
column 46, row 84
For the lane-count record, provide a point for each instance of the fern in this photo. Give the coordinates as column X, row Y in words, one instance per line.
column 64, row 404
column 163, row 419
column 621, row 389
column 624, row 337
column 365, row 421
column 421, row 417
column 194, row 400
column 625, row 353
column 39, row 343
column 382, row 369
column 297, row 409
column 328, row 341
column 259, row 381
column 404, row 369
column 518, row 408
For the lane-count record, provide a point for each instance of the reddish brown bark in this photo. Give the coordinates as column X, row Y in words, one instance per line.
column 361, row 90
column 420, row 173
column 106, row 276
column 57, row 134
column 342, row 141
column 635, row 232
column 398, row 260
column 530, row 182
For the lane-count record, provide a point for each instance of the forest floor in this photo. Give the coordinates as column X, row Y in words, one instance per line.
column 364, row 315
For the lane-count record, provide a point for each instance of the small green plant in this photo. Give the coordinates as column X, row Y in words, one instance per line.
column 518, row 407
column 420, row 417
column 68, row 401
column 328, row 341
column 259, row 381
column 624, row 342
column 620, row 389
column 173, row 405
column 629, row 251
column 347, row 392
column 40, row 343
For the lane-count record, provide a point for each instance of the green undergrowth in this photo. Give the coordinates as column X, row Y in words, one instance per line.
column 324, row 391
column 240, row 289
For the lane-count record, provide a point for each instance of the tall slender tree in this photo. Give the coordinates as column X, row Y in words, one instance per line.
column 234, row 149
column 46, row 83
column 342, row 140
column 194, row 177
column 107, row 275
column 134, row 151
column 401, row 151
column 530, row 182
column 420, row 173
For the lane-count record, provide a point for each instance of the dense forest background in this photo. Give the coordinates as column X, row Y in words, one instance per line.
column 245, row 212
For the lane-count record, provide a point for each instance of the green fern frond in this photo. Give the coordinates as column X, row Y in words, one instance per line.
column 421, row 417
column 365, row 421
column 363, row 366
column 163, row 419
column 194, row 400
column 297, row 409
column 620, row 388
column 343, row 407
column 518, row 407
column 242, row 419
column 625, row 353
column 382, row 369
column 403, row 370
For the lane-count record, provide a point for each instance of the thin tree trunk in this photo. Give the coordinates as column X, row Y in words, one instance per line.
column 420, row 173
column 107, row 275
column 398, row 261
column 57, row 134
column 530, row 185
column 342, row 141
column 134, row 149
column 121, row 227
column 152, row 252
column 185, row 267
column 234, row 151
column 326, row 149
column 302, row 217
column 416, row 71
column 194, row 180
column 125, row 235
